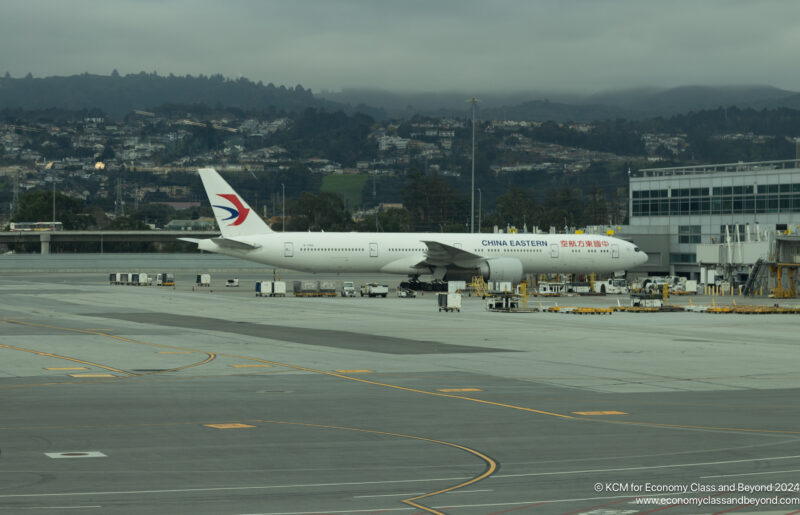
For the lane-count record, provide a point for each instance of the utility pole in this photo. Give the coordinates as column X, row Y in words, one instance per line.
column 474, row 102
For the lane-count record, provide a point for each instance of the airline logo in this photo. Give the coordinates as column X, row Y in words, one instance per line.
column 238, row 211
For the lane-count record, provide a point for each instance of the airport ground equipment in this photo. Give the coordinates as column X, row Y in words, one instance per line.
column 614, row 286
column 327, row 288
column 374, row 290
column 165, row 279
column 406, row 293
column 234, row 283
column 456, row 286
column 306, row 288
column 270, row 289
column 203, row 280
column 449, row 301
column 508, row 302
column 551, row 289
column 349, row 289
column 478, row 287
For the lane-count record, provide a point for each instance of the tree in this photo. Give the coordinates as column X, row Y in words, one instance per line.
column 37, row 206
column 325, row 211
column 517, row 208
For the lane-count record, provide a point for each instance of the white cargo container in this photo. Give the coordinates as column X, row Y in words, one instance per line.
column 145, row 279
column 278, row 289
column 203, row 279
column 500, row 287
column 449, row 301
column 165, row 279
column 456, row 286
column 270, row 289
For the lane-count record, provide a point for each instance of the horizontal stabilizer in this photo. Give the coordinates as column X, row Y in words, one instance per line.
column 234, row 244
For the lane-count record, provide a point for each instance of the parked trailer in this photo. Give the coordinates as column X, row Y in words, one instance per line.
column 145, row 279
column 203, row 280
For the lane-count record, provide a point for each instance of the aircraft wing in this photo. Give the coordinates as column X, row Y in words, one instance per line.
column 442, row 254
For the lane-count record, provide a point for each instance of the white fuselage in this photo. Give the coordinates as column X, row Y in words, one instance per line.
column 399, row 252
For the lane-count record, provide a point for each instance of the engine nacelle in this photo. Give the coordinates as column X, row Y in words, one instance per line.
column 502, row 269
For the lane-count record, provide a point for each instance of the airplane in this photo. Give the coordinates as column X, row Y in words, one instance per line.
column 421, row 256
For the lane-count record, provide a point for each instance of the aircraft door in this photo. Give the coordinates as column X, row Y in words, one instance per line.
column 554, row 251
column 373, row 250
column 288, row 249
column 614, row 251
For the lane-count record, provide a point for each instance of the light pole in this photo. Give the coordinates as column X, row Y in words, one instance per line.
column 283, row 209
column 480, row 208
column 473, row 101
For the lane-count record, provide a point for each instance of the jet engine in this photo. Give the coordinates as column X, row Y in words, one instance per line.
column 502, row 269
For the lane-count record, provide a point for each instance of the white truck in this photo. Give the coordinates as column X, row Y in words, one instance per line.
column 348, row 289
column 374, row 290
column 612, row 287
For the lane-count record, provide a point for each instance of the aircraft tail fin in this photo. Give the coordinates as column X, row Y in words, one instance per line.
column 234, row 216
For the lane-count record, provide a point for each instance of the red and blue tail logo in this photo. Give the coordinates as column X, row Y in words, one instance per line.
column 238, row 211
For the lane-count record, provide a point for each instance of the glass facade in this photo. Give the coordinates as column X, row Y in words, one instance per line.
column 717, row 200
column 688, row 234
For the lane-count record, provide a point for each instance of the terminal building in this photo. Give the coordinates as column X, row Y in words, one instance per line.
column 696, row 218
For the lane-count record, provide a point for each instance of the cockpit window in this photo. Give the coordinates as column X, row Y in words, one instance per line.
column 636, row 249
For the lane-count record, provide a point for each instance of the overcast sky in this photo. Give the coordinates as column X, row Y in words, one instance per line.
column 427, row 45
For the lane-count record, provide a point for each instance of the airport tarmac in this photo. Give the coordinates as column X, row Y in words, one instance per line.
column 128, row 400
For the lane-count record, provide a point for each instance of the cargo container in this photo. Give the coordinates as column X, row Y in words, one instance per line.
column 327, row 288
column 449, row 301
column 278, row 289
column 203, row 280
column 306, row 288
column 270, row 289
column 456, row 286
column 165, row 279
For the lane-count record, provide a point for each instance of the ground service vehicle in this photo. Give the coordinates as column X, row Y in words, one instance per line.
column 375, row 290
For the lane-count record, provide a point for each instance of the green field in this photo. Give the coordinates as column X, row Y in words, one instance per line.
column 349, row 187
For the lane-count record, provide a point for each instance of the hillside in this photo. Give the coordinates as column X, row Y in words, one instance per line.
column 117, row 95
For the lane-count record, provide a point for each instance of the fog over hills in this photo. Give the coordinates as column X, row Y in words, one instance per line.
column 117, row 95
column 564, row 106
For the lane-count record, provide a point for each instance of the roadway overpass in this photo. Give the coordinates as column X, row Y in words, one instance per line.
column 45, row 238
